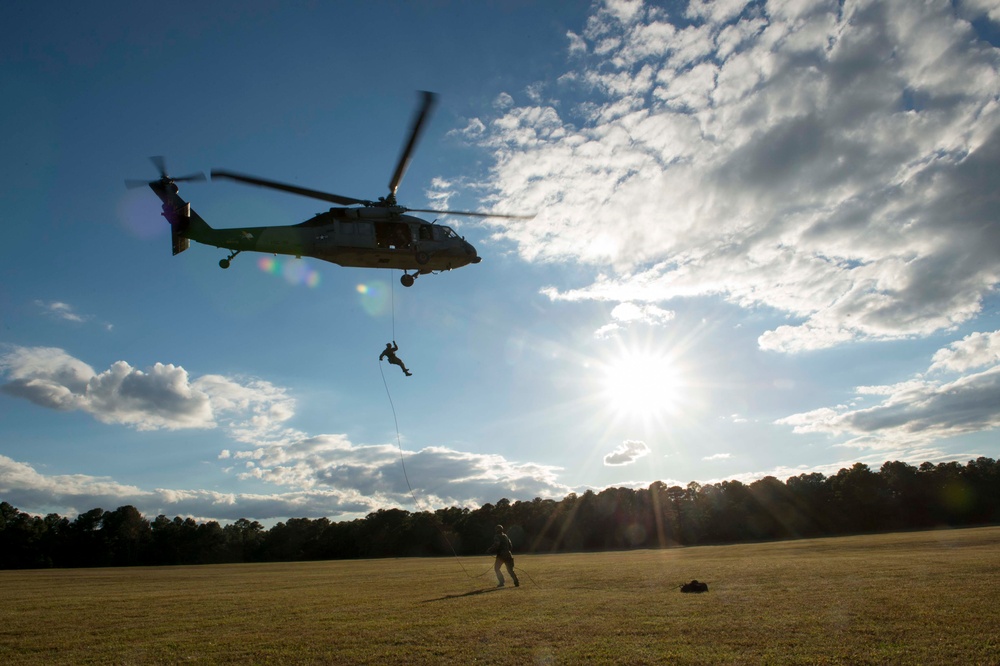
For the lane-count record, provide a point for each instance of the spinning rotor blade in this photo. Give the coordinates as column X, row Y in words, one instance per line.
column 294, row 189
column 418, row 125
column 467, row 213
column 161, row 166
column 192, row 178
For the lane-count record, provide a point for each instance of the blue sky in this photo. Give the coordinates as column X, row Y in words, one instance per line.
column 766, row 243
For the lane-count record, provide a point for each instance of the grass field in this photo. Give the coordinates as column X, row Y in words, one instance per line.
column 917, row 598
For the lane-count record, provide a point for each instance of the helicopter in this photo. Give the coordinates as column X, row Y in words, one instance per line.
column 360, row 233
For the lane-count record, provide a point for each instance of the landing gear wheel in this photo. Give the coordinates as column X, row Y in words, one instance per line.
column 422, row 258
column 224, row 263
column 406, row 280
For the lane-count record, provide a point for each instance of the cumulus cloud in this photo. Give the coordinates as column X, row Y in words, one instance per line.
column 435, row 476
column 974, row 9
column 836, row 162
column 321, row 475
column 160, row 397
column 919, row 411
column 624, row 315
column 70, row 494
column 973, row 351
column 626, row 453
column 718, row 456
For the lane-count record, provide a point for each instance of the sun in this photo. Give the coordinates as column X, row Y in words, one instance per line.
column 642, row 384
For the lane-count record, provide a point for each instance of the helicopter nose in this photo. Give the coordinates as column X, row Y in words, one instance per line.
column 471, row 253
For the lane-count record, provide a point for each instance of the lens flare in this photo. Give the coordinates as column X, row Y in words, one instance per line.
column 374, row 297
column 138, row 214
column 295, row 272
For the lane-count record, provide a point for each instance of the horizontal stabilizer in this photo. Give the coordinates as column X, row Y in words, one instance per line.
column 179, row 242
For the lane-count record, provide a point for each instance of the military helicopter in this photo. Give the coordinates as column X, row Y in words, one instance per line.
column 366, row 234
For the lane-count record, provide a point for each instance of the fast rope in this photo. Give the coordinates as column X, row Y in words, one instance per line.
column 399, row 445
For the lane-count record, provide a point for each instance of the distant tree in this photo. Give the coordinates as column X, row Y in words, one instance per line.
column 21, row 540
column 815, row 508
column 165, row 542
column 54, row 540
column 455, row 524
column 86, row 541
column 209, row 544
column 125, row 535
column 861, row 499
column 243, row 540
column 983, row 477
column 664, row 515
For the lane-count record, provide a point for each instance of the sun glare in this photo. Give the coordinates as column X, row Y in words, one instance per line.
column 642, row 384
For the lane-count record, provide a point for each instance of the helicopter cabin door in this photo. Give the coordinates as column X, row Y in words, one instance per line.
column 355, row 234
column 394, row 235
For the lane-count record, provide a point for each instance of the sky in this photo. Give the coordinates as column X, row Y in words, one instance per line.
column 766, row 242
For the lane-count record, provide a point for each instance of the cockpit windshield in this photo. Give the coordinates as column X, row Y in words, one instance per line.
column 444, row 233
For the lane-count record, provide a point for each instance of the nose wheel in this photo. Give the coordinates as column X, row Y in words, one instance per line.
column 224, row 263
column 407, row 280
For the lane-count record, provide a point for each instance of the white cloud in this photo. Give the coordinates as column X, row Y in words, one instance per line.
column 61, row 310
column 325, row 475
column 625, row 314
column 71, row 494
column 978, row 8
column 67, row 312
column 973, row 351
column 577, row 45
column 912, row 413
column 718, row 456
column 626, row 453
column 161, row 397
column 837, row 164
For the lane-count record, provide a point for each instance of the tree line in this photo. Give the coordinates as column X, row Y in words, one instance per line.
column 898, row 496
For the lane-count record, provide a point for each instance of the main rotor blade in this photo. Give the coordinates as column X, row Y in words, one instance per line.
column 467, row 213
column 294, row 189
column 160, row 164
column 192, row 178
column 132, row 183
column 415, row 130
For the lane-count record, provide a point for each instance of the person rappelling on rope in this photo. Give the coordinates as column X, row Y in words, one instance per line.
column 390, row 353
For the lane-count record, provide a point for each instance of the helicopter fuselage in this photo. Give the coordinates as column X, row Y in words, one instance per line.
column 364, row 237
column 358, row 237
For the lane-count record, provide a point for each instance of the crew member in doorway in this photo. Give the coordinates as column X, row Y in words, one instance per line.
column 390, row 353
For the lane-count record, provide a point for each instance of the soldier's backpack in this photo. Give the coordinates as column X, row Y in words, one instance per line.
column 694, row 586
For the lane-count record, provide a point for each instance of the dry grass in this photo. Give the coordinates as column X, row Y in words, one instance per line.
column 919, row 598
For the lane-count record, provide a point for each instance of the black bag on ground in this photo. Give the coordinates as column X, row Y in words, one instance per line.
column 694, row 586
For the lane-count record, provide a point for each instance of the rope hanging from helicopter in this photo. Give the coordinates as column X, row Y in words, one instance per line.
column 399, row 445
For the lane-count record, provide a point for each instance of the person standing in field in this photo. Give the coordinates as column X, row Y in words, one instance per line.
column 502, row 547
